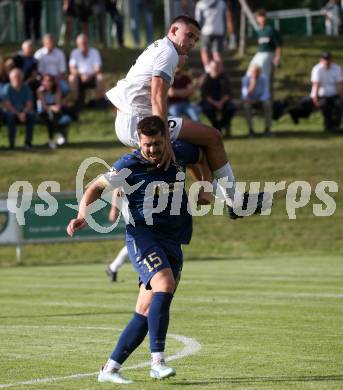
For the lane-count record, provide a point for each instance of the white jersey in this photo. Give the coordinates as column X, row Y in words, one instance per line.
column 132, row 95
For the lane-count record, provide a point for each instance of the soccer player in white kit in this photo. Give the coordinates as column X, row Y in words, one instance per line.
column 143, row 92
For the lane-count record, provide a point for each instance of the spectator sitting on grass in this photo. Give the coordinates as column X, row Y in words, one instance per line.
column 25, row 61
column 7, row 66
column 85, row 70
column 18, row 105
column 50, row 109
column 178, row 97
column 256, row 93
column 216, row 98
column 51, row 60
column 326, row 94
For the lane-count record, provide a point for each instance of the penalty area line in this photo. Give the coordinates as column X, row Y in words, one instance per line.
column 191, row 346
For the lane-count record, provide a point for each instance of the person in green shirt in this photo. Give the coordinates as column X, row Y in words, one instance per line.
column 269, row 45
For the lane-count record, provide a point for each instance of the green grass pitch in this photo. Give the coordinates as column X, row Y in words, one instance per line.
column 262, row 323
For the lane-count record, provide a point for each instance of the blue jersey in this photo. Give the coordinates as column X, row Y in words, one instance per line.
column 160, row 187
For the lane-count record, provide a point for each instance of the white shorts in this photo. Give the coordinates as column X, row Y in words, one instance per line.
column 126, row 128
column 265, row 61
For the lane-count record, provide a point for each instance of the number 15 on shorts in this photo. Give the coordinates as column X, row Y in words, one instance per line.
column 152, row 261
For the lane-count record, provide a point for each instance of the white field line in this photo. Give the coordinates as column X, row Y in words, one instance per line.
column 191, row 346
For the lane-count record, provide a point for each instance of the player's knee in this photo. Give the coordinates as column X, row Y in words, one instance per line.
column 167, row 286
column 143, row 309
column 73, row 78
column 215, row 136
column 99, row 77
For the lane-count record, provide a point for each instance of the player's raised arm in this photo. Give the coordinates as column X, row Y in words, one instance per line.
column 92, row 193
column 159, row 93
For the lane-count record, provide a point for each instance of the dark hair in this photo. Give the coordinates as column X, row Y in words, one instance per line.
column 261, row 12
column 51, row 78
column 186, row 20
column 150, row 126
column 326, row 55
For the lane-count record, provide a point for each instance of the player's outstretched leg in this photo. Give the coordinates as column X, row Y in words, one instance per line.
column 212, row 142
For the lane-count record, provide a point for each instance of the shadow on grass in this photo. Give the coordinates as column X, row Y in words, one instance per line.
column 68, row 314
column 252, row 380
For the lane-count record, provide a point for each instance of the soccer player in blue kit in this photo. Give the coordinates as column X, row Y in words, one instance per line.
column 153, row 239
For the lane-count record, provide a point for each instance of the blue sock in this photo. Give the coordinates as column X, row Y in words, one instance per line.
column 131, row 337
column 158, row 320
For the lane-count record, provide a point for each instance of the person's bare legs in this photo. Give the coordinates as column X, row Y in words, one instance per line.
column 99, row 85
column 205, row 57
column 209, row 138
column 74, row 86
column 212, row 142
column 163, row 281
column 217, row 57
column 202, row 172
column 143, row 301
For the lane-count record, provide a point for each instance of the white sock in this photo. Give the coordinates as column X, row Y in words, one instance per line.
column 111, row 366
column 217, row 190
column 119, row 260
column 156, row 357
column 231, row 194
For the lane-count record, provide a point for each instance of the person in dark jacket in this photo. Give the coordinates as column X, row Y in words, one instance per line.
column 217, row 102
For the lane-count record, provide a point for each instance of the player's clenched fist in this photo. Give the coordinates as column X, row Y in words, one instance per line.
column 75, row 224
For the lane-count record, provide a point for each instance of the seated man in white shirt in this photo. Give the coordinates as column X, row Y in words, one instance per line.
column 85, row 69
column 255, row 92
column 326, row 94
column 327, row 91
column 52, row 61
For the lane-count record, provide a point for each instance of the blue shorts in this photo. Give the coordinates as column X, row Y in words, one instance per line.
column 149, row 253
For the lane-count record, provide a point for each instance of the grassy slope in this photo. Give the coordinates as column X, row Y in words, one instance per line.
column 273, row 324
column 300, row 152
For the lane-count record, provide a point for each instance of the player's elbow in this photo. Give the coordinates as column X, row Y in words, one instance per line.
column 96, row 188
